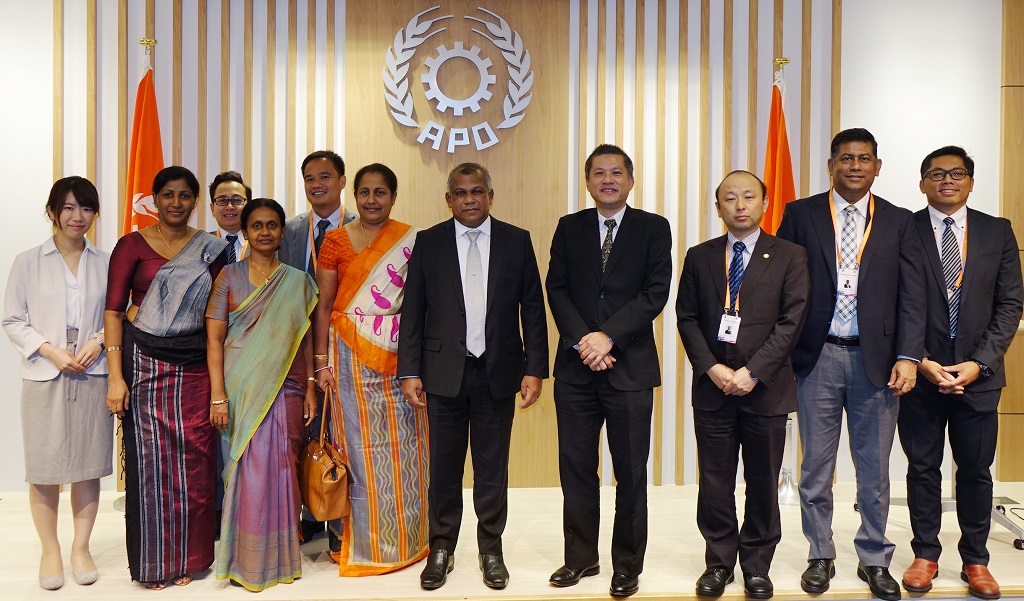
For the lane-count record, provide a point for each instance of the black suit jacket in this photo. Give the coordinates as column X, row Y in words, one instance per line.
column 622, row 301
column 990, row 299
column 773, row 305
column 432, row 338
column 890, row 316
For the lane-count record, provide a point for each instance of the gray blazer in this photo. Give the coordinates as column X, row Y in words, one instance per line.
column 294, row 249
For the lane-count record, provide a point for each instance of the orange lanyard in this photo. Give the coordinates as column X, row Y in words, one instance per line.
column 728, row 289
column 312, row 240
column 867, row 230
column 245, row 245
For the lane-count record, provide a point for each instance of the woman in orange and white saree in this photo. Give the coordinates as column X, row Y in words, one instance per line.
column 383, row 439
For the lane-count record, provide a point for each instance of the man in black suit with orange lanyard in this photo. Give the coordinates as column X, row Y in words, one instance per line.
column 743, row 387
column 973, row 302
column 607, row 282
column 857, row 353
column 473, row 334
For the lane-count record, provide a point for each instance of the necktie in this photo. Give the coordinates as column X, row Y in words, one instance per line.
column 951, row 267
column 846, row 306
column 606, row 248
column 735, row 274
column 476, row 300
column 321, row 231
column 231, row 238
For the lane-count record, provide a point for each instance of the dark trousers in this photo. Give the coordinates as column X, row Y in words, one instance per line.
column 581, row 411
column 484, row 423
column 925, row 416
column 722, row 435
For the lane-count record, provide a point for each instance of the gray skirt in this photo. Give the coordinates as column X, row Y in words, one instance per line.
column 67, row 430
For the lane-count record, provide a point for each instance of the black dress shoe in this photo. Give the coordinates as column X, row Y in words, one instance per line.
column 882, row 585
column 435, row 573
column 712, row 582
column 623, row 586
column 816, row 577
column 566, row 576
column 333, row 541
column 758, row 586
column 495, row 573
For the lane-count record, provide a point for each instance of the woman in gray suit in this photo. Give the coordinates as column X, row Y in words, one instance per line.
column 53, row 314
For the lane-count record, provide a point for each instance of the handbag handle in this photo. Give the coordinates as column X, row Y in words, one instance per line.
column 328, row 394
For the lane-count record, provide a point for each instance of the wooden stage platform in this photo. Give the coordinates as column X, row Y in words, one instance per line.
column 533, row 549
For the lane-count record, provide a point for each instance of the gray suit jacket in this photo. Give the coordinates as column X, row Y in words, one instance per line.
column 293, row 249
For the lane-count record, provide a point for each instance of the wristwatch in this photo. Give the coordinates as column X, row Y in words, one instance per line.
column 99, row 341
column 986, row 371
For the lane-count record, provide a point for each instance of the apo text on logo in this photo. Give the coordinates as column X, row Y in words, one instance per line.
column 398, row 93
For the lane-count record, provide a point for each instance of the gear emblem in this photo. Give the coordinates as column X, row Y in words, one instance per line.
column 444, row 102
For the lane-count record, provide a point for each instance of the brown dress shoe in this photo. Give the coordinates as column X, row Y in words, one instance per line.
column 918, row 577
column 980, row 582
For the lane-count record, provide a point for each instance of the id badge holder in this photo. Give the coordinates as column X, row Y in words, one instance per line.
column 729, row 329
column 847, row 283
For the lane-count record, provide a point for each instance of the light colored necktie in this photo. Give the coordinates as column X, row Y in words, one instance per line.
column 606, row 248
column 846, row 306
column 231, row 238
column 951, row 266
column 476, row 298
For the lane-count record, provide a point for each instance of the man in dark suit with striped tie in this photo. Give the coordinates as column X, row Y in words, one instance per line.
column 973, row 303
column 228, row 194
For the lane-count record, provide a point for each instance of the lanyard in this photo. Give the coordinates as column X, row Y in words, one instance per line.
column 312, row 240
column 728, row 290
column 867, row 230
column 245, row 245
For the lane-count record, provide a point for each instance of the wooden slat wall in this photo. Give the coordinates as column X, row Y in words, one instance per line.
column 680, row 84
column 1010, row 449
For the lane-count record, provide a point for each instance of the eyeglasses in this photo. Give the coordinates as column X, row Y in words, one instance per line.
column 236, row 201
column 937, row 175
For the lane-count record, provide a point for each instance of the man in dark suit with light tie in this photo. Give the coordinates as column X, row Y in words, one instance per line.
column 857, row 353
column 607, row 281
column 473, row 283
column 743, row 386
column 323, row 174
column 973, row 302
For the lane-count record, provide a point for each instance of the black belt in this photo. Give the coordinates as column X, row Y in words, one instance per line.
column 843, row 340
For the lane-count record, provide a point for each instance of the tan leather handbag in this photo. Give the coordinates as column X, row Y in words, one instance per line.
column 323, row 476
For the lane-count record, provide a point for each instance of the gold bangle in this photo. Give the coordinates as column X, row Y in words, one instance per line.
column 321, row 357
column 220, row 402
column 113, row 348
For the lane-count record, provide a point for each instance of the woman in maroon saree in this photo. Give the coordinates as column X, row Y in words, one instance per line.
column 160, row 387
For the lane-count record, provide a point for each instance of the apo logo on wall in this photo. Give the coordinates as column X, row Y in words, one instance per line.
column 398, row 91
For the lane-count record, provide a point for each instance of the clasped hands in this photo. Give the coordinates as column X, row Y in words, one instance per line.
column 594, row 349
column 731, row 381
column 951, row 379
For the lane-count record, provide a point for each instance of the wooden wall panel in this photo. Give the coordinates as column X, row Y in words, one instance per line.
column 523, row 195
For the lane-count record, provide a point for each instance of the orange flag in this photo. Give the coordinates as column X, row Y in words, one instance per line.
column 778, row 164
column 145, row 159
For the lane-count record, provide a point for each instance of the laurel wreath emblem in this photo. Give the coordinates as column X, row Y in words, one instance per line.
column 396, row 70
column 520, row 76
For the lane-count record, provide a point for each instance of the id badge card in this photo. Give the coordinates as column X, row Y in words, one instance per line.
column 847, row 284
column 729, row 329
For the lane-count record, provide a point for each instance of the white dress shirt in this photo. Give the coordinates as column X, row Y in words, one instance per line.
column 839, row 326
column 603, row 229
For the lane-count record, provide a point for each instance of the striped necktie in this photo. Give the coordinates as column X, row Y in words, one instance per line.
column 232, row 255
column 951, row 268
column 736, row 271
